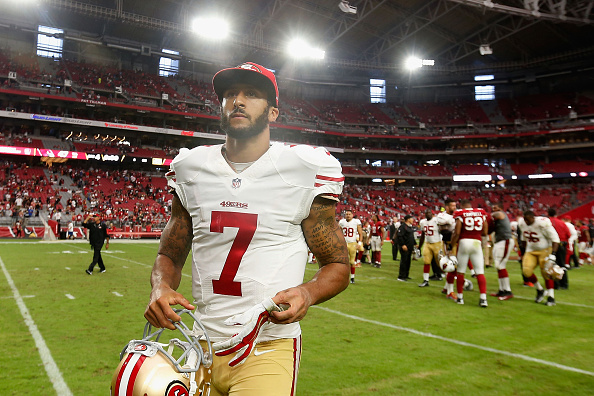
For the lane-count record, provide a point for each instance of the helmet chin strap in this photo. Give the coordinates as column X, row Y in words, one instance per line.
column 192, row 361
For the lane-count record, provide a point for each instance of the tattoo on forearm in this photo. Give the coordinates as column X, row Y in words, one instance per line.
column 323, row 235
column 176, row 239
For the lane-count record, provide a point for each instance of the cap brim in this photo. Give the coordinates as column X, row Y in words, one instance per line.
column 227, row 77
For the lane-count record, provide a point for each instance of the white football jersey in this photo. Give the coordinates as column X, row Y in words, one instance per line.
column 514, row 228
column 248, row 243
column 431, row 230
column 447, row 220
column 539, row 235
column 573, row 235
column 349, row 229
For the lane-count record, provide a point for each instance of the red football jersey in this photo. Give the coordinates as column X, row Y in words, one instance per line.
column 376, row 228
column 473, row 221
column 582, row 237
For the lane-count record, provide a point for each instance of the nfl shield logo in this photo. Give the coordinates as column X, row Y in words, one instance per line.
column 236, row 183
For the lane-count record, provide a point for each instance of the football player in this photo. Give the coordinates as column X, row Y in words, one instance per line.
column 432, row 248
column 584, row 240
column 471, row 226
column 504, row 243
column 570, row 255
column 447, row 225
column 378, row 234
column 539, row 242
column 352, row 231
column 249, row 210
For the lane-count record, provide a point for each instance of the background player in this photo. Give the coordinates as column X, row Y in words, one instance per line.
column 352, row 231
column 429, row 243
column 504, row 244
column 447, row 225
column 471, row 226
column 540, row 242
column 378, row 234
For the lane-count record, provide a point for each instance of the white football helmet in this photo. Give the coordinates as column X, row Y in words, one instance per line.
column 554, row 271
column 468, row 286
column 148, row 368
column 448, row 263
column 417, row 254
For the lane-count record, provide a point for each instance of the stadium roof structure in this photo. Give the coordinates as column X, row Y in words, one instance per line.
column 521, row 34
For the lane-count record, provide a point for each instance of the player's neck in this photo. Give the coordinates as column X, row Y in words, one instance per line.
column 248, row 150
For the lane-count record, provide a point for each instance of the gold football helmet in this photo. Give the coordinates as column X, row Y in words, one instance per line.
column 149, row 368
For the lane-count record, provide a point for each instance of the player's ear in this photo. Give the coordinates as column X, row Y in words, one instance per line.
column 273, row 113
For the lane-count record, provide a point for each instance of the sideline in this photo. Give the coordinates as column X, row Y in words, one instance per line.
column 462, row 343
column 130, row 261
column 51, row 368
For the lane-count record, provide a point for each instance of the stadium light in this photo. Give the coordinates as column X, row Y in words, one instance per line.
column 301, row 50
column 472, row 178
column 211, row 27
column 413, row 63
column 541, row 176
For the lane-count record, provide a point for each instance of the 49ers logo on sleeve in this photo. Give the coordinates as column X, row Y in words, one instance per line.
column 177, row 388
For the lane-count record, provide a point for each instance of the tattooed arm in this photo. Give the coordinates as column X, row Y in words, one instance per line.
column 176, row 241
column 326, row 241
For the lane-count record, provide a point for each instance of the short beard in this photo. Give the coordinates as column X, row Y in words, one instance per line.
column 248, row 132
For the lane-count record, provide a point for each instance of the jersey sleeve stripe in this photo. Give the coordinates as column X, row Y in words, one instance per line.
column 328, row 178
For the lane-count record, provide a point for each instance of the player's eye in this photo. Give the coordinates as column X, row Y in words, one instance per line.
column 230, row 93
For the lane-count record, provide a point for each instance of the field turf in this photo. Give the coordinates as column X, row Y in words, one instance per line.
column 379, row 337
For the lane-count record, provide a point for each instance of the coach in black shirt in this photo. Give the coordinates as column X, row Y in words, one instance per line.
column 406, row 240
column 97, row 235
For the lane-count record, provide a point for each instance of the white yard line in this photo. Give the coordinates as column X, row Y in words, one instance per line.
column 51, row 368
column 557, row 302
column 462, row 343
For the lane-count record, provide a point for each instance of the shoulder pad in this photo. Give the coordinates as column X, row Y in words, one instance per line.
column 325, row 172
column 187, row 163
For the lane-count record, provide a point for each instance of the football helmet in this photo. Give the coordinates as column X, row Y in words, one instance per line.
column 417, row 253
column 554, row 270
column 149, row 368
column 468, row 286
column 448, row 263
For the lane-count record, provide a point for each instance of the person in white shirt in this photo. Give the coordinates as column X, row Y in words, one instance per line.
column 70, row 230
column 573, row 236
column 539, row 242
column 430, row 243
column 352, row 231
column 249, row 211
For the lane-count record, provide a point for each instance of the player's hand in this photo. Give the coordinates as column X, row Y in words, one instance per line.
column 243, row 342
column 295, row 302
column 405, row 248
column 159, row 312
column 107, row 246
column 552, row 259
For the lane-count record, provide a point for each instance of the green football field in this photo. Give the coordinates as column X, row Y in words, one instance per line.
column 61, row 330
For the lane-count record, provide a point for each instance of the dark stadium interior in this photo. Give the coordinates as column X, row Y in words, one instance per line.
column 104, row 96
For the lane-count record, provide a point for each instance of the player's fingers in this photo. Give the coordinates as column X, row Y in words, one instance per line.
column 165, row 315
column 151, row 318
column 185, row 303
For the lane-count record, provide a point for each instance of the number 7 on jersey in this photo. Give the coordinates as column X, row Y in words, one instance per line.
column 246, row 224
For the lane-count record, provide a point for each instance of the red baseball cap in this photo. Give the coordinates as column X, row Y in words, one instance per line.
column 248, row 73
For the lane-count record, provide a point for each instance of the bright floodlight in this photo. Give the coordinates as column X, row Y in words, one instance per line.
column 413, row 63
column 301, row 50
column 213, row 28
